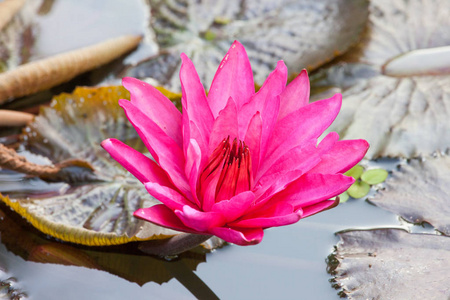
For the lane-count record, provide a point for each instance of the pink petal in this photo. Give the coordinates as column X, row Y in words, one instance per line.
column 313, row 188
column 225, row 125
column 163, row 148
column 171, row 198
column 327, row 142
column 296, row 95
column 234, row 78
column 288, row 168
column 155, row 106
column 272, row 87
column 342, row 157
column 273, row 184
column 271, row 220
column 253, row 140
column 194, row 98
column 242, row 237
column 161, row 215
column 318, row 207
column 192, row 169
column 235, row 207
column 303, row 157
column 302, row 125
column 142, row 167
column 269, row 117
column 199, row 220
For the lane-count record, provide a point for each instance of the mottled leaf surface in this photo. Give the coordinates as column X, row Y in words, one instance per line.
column 391, row 264
column 400, row 26
column 95, row 211
column 305, row 34
column 399, row 116
column 419, row 192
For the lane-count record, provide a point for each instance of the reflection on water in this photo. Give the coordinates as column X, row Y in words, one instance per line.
column 289, row 263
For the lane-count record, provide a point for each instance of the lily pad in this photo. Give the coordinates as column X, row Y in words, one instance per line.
column 400, row 116
column 305, row 34
column 96, row 210
column 391, row 264
column 419, row 192
column 397, row 27
column 374, row 176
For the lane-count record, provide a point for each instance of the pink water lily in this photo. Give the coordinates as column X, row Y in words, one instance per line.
column 235, row 162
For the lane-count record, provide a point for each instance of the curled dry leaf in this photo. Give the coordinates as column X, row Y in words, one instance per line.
column 14, row 118
column 418, row 192
column 43, row 74
column 391, row 264
column 8, row 8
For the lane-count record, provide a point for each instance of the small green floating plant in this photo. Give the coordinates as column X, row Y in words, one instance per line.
column 364, row 180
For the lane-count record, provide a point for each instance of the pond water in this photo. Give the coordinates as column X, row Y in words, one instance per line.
column 290, row 263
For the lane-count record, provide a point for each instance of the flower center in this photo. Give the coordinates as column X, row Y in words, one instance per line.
column 229, row 169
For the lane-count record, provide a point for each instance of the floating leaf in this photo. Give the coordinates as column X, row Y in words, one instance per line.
column 419, row 193
column 399, row 116
column 43, row 74
column 92, row 212
column 305, row 34
column 358, row 189
column 391, row 264
column 374, row 176
column 355, row 172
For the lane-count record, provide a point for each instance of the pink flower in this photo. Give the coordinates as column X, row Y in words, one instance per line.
column 236, row 162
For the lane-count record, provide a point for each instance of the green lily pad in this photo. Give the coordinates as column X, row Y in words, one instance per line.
column 355, row 172
column 358, row 189
column 391, row 264
column 305, row 34
column 97, row 210
column 418, row 192
column 374, row 176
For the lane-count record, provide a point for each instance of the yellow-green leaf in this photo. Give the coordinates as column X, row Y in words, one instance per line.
column 359, row 189
column 374, row 176
column 343, row 197
column 355, row 172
